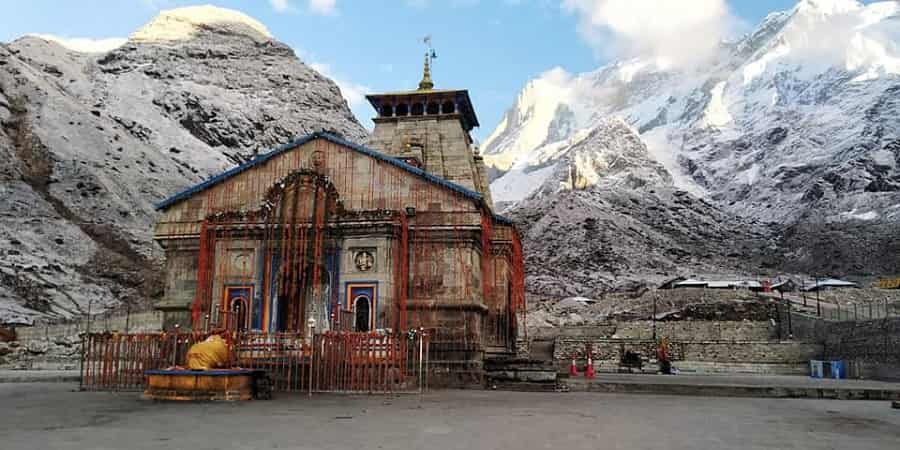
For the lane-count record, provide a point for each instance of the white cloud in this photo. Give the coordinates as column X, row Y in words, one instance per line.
column 324, row 7
column 84, row 45
column 672, row 32
column 354, row 93
column 280, row 5
column 321, row 7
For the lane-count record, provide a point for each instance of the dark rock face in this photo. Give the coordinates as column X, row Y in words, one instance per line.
column 589, row 242
column 89, row 142
column 858, row 248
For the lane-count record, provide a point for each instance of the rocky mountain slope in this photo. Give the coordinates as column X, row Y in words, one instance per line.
column 609, row 217
column 795, row 126
column 90, row 141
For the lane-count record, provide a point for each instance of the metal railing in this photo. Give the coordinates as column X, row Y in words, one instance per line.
column 842, row 311
column 860, row 311
column 338, row 361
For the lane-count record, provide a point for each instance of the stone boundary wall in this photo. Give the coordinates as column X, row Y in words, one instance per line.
column 137, row 322
column 870, row 347
column 695, row 330
column 688, row 330
column 743, row 352
column 58, row 346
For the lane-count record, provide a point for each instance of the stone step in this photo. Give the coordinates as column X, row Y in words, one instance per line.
column 520, row 364
column 498, row 350
column 699, row 389
column 520, row 374
column 522, row 386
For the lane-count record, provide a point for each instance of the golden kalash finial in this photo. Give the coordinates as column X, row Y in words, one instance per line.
column 426, row 84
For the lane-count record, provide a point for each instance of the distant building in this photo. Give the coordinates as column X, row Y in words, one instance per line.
column 752, row 285
column 670, row 284
column 828, row 283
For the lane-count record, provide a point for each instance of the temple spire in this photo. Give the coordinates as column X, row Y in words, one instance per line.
column 426, row 84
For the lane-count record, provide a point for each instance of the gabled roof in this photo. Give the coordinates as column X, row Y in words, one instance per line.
column 828, row 283
column 262, row 158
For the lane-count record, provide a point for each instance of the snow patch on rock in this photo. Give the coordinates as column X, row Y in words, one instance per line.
column 84, row 45
column 183, row 23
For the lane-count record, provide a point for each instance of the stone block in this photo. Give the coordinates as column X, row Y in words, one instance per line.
column 537, row 376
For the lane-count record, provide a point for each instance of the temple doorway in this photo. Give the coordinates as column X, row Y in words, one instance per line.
column 238, row 299
column 362, row 309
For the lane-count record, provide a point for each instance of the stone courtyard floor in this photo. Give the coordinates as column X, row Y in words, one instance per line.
column 55, row 416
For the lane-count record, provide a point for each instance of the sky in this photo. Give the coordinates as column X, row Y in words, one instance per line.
column 490, row 47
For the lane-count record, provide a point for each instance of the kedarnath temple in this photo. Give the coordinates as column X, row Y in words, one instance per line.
column 324, row 234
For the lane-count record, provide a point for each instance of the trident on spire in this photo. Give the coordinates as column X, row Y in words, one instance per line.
column 426, row 84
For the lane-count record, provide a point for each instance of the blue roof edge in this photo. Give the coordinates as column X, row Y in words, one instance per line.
column 504, row 220
column 259, row 159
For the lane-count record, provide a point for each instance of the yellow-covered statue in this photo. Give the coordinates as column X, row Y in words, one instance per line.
column 212, row 353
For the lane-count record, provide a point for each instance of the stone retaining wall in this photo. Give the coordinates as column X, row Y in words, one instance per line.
column 688, row 330
column 695, row 330
column 761, row 352
column 136, row 322
column 757, row 357
column 695, row 345
column 872, row 347
column 58, row 346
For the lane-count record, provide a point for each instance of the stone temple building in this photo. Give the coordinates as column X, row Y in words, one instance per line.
column 330, row 234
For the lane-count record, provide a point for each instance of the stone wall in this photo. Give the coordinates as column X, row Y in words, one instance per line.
column 702, row 346
column 871, row 347
column 57, row 346
column 445, row 147
column 763, row 352
column 136, row 322
column 692, row 330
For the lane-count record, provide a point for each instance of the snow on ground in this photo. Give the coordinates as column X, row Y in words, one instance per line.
column 536, row 108
column 660, row 148
column 870, row 215
column 717, row 114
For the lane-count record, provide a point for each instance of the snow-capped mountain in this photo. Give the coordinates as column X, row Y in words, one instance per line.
column 799, row 118
column 780, row 155
column 611, row 154
column 89, row 141
column 606, row 215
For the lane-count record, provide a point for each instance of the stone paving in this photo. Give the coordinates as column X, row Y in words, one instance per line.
column 55, row 416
